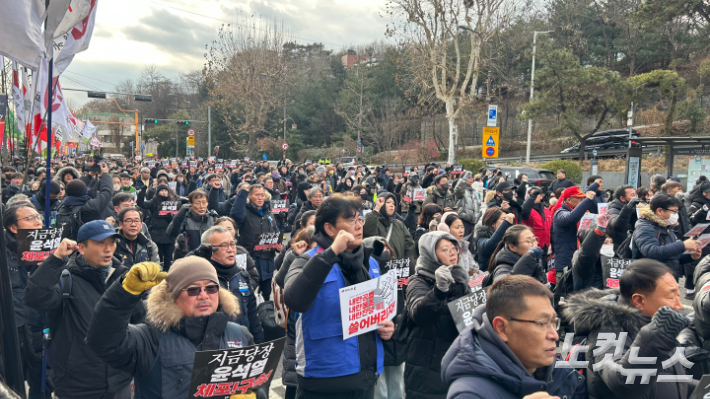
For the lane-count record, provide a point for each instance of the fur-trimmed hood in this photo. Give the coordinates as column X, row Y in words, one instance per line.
column 63, row 171
column 647, row 213
column 596, row 309
column 164, row 314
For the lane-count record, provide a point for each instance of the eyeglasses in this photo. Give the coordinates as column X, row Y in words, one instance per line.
column 226, row 245
column 531, row 241
column 542, row 324
column 131, row 221
column 32, row 218
column 450, row 251
column 195, row 291
column 355, row 221
column 670, row 210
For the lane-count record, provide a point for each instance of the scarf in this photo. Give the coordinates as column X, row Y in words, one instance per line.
column 352, row 264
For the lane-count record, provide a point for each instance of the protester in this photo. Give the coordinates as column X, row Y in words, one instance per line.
column 186, row 312
column 190, row 222
column 452, row 224
column 489, row 234
column 439, row 193
column 622, row 213
column 383, row 222
column 68, row 291
column 311, row 288
column 505, row 200
column 40, row 203
column 561, row 182
column 429, row 212
column 509, row 351
column 160, row 221
column 438, row 280
column 132, row 246
column 468, row 202
column 645, row 309
column 564, row 226
column 78, row 208
column 516, row 253
column 539, row 218
column 315, row 197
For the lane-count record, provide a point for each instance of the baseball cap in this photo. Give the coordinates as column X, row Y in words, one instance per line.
column 573, row 192
column 97, row 230
column 503, row 186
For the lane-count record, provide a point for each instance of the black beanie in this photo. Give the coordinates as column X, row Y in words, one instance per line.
column 75, row 188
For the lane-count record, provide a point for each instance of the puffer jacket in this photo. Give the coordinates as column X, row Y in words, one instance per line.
column 141, row 350
column 701, row 302
column 564, row 230
column 654, row 239
column 158, row 223
column 252, row 223
column 539, row 219
column 622, row 221
column 480, row 365
column 602, row 311
column 192, row 225
column 586, row 261
column 436, row 196
column 487, row 240
column 431, row 327
column 508, row 262
column 697, row 202
column 144, row 250
column 59, row 176
column 468, row 202
column 288, row 358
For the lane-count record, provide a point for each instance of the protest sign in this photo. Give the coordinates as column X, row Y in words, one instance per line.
column 364, row 306
column 210, row 159
column 166, row 163
column 35, row 245
column 219, row 167
column 408, row 195
column 702, row 391
column 419, row 194
column 587, row 221
column 241, row 261
column 400, row 267
column 703, row 241
column 220, row 160
column 462, row 309
column 697, row 230
column 193, row 164
column 184, row 164
column 602, row 209
column 458, row 168
column 407, row 170
column 268, row 241
column 233, row 163
column 169, row 208
column 612, row 269
column 172, row 185
column 225, row 372
column 279, row 206
column 550, row 262
column 476, row 282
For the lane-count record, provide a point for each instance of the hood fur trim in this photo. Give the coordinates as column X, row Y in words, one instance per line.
column 647, row 214
column 602, row 309
column 67, row 169
column 164, row 314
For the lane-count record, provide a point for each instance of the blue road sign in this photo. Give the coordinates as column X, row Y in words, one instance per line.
column 490, row 142
column 142, row 147
column 264, row 157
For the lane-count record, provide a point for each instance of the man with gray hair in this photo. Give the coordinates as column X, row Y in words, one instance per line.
column 315, row 197
column 236, row 273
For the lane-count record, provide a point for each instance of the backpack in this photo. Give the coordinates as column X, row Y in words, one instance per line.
column 69, row 217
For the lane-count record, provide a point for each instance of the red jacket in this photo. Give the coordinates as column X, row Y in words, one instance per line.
column 541, row 226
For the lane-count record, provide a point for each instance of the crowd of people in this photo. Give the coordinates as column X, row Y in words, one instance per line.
column 161, row 259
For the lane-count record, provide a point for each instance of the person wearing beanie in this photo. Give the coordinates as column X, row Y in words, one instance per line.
column 187, row 311
column 39, row 200
column 144, row 179
column 69, row 301
column 78, row 208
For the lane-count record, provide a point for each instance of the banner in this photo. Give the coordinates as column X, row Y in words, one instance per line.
column 462, row 309
column 35, row 245
column 279, row 206
column 169, row 208
column 408, row 195
column 612, row 269
column 18, row 98
column 222, row 373
column 219, row 167
column 400, row 267
column 268, row 241
column 21, row 31
column 74, row 41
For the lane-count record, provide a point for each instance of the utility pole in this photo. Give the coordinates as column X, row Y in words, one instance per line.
column 177, row 140
column 532, row 92
column 209, row 130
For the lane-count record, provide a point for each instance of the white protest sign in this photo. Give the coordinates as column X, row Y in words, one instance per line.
column 419, row 194
column 364, row 306
column 697, row 230
column 602, row 208
column 587, row 221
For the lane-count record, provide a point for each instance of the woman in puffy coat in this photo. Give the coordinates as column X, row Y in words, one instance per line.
column 539, row 219
column 160, row 220
column 431, row 329
column 489, row 233
column 382, row 222
column 517, row 253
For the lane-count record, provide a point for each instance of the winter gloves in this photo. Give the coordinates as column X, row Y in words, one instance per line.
column 142, row 277
column 669, row 322
column 444, row 278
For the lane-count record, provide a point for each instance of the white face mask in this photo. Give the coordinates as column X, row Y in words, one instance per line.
column 607, row 250
column 179, row 179
column 116, row 187
column 171, row 175
column 673, row 219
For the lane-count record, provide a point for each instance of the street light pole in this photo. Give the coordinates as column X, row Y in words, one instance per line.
column 284, row 152
column 209, row 131
column 532, row 91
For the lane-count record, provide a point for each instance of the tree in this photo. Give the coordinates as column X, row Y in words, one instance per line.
column 574, row 93
column 356, row 102
column 665, row 83
column 444, row 39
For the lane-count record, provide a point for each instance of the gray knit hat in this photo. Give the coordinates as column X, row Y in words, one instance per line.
column 187, row 270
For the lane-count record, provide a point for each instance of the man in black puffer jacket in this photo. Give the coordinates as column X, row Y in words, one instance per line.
column 699, row 204
column 78, row 372
column 622, row 212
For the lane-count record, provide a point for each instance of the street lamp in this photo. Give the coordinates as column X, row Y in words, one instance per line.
column 532, row 90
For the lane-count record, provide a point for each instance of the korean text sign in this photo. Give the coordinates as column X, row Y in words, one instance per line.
column 35, row 245
column 364, row 306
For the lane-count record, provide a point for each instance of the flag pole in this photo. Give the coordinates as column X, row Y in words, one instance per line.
column 48, row 179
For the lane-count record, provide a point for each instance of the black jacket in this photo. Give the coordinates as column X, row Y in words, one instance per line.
column 78, row 371
column 19, row 274
column 586, row 261
column 622, row 221
column 252, row 224
column 564, row 183
column 93, row 208
column 158, row 223
column 695, row 211
column 193, row 225
column 508, row 262
column 140, row 250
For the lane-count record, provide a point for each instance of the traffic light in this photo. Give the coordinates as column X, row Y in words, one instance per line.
column 148, row 121
column 186, row 123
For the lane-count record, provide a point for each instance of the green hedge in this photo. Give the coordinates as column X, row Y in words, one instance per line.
column 574, row 172
column 472, row 164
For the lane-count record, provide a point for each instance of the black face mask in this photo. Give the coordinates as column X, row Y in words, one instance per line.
column 364, row 197
column 445, row 186
column 508, row 196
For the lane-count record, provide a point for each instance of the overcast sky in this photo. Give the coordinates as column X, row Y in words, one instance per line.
column 130, row 34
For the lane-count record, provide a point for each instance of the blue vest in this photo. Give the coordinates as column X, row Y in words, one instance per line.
column 169, row 377
column 321, row 351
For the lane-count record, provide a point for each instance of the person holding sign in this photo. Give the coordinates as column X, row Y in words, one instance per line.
column 654, row 237
column 437, row 281
column 163, row 207
column 586, row 262
column 509, row 351
column 570, row 209
column 328, row 365
column 187, row 312
column 382, row 222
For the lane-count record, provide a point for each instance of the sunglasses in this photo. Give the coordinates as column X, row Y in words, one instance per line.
column 195, row 291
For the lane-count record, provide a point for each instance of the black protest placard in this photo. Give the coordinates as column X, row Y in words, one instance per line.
column 268, row 241
column 279, row 206
column 458, row 168
column 462, row 309
column 184, row 164
column 703, row 389
column 476, row 282
column 550, row 263
column 222, row 373
column 401, row 271
column 169, row 208
column 408, row 195
column 35, row 245
column 612, row 269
